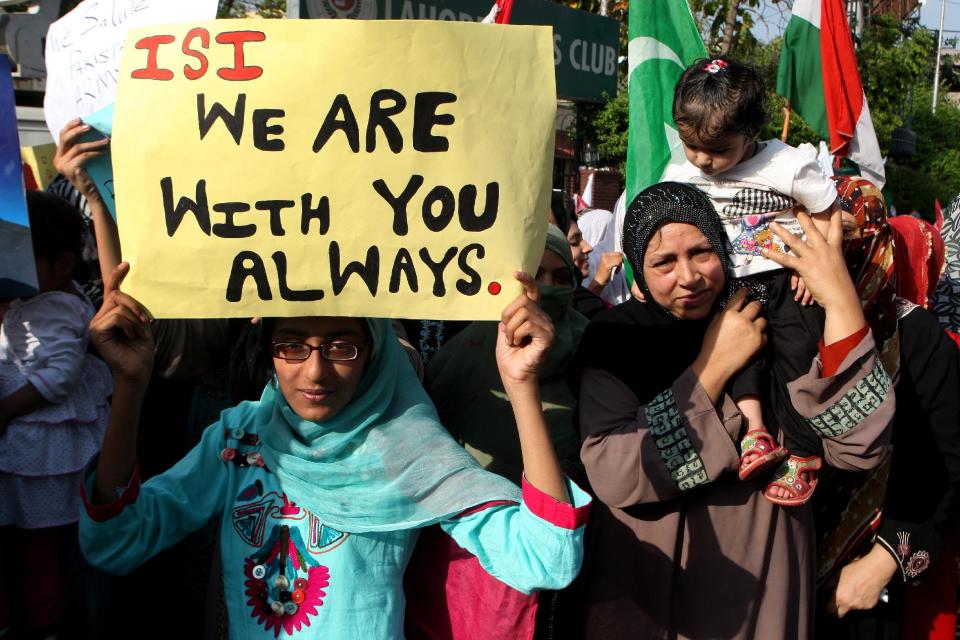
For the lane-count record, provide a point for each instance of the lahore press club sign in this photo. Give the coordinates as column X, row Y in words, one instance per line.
column 585, row 45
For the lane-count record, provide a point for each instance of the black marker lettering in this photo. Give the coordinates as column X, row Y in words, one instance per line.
column 439, row 221
column 439, row 289
column 380, row 116
column 262, row 130
column 174, row 216
column 369, row 270
column 399, row 203
column 233, row 121
column 403, row 265
column 331, row 123
column 239, row 273
column 286, row 293
column 472, row 286
column 467, row 208
column 321, row 213
column 228, row 228
column 275, row 207
column 425, row 117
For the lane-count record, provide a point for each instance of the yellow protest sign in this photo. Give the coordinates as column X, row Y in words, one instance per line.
column 333, row 167
column 40, row 161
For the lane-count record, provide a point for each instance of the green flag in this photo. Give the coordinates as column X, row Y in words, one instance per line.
column 663, row 42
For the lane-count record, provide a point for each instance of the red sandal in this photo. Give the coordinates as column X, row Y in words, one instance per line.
column 799, row 477
column 759, row 441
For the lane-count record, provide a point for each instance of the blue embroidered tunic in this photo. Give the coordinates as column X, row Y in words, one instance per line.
column 285, row 572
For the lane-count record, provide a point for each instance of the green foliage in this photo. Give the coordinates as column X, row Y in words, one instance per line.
column 606, row 125
column 934, row 172
column 711, row 16
column 950, row 72
column 246, row 8
column 892, row 64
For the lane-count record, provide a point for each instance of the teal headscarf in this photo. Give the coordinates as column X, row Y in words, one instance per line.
column 384, row 462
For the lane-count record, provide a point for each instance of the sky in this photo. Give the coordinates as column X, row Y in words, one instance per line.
column 930, row 16
column 773, row 18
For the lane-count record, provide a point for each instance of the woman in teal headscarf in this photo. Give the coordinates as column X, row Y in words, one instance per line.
column 322, row 484
column 464, row 383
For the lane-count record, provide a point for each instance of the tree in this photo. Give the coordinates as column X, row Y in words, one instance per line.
column 246, row 8
column 893, row 65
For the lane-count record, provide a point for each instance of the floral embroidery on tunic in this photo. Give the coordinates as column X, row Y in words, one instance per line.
column 284, row 583
column 918, row 562
column 855, row 405
column 681, row 459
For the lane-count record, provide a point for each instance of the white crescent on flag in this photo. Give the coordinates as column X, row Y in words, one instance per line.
column 643, row 49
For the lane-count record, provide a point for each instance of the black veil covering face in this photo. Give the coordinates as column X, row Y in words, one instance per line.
column 641, row 343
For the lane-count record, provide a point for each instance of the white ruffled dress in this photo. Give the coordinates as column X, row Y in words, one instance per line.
column 44, row 341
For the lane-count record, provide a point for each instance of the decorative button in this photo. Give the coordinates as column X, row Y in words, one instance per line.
column 238, row 433
column 290, row 608
column 254, row 458
column 259, row 571
column 228, row 454
column 300, row 583
column 298, row 596
column 277, row 607
column 284, row 596
column 281, row 582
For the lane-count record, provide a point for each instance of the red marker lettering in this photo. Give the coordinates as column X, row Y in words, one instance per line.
column 152, row 71
column 204, row 35
column 240, row 71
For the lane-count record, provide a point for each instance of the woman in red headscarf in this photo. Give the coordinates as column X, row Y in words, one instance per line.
column 918, row 258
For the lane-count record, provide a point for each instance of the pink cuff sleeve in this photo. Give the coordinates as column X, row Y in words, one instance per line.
column 554, row 511
column 832, row 355
column 482, row 507
column 104, row 512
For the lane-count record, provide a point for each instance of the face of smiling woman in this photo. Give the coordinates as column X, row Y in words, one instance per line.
column 682, row 272
column 315, row 388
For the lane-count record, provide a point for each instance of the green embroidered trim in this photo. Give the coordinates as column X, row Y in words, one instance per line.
column 670, row 436
column 855, row 405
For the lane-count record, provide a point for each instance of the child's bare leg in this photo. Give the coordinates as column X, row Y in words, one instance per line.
column 752, row 414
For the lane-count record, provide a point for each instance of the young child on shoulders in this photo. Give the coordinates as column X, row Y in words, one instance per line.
column 719, row 111
column 53, row 415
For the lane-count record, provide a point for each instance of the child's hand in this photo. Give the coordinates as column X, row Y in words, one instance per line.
column 72, row 155
column 524, row 336
column 803, row 295
column 121, row 332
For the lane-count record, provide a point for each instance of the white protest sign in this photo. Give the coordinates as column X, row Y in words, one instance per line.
column 84, row 47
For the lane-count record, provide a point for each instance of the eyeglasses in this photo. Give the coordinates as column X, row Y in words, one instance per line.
column 300, row 351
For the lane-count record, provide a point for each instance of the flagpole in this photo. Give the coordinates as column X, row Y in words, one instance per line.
column 936, row 71
column 786, row 122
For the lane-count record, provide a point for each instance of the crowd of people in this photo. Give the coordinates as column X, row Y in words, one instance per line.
column 738, row 418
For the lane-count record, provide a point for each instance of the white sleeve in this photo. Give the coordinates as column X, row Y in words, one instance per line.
column 811, row 187
column 59, row 326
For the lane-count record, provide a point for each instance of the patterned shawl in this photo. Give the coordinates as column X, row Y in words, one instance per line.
column 849, row 508
column 870, row 260
column 946, row 300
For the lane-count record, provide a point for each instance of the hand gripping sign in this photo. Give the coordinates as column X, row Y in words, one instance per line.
column 275, row 168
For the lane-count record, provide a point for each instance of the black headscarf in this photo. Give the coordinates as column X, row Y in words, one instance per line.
column 641, row 343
